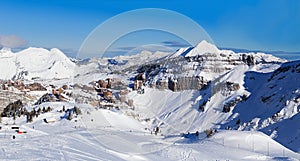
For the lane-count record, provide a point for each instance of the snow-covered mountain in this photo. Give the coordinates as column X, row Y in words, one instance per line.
column 202, row 48
column 224, row 90
column 215, row 89
column 251, row 100
column 33, row 63
column 206, row 65
column 264, row 101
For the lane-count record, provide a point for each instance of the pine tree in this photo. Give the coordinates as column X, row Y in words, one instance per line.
column 48, row 109
column 14, row 116
column 39, row 110
column 77, row 110
column 156, row 130
column 70, row 116
column 27, row 118
column 238, row 121
column 30, row 118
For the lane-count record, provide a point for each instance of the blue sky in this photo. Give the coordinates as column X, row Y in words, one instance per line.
column 254, row 25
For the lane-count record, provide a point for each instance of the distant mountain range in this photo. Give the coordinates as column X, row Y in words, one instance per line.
column 281, row 54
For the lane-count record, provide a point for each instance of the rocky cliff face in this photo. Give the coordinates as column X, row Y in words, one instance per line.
column 187, row 83
column 193, row 68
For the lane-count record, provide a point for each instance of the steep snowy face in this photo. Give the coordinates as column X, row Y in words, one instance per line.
column 263, row 97
column 35, row 63
column 7, row 63
column 180, row 52
column 202, row 48
column 273, row 105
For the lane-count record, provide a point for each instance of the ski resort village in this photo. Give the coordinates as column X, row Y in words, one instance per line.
column 198, row 103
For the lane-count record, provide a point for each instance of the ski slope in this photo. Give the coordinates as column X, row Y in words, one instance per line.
column 115, row 136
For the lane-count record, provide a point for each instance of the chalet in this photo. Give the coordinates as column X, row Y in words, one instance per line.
column 109, row 81
column 60, row 90
column 103, row 84
column 36, row 87
column 108, row 95
column 130, row 102
column 140, row 76
column 4, row 86
column 63, row 97
column 122, row 98
column 65, row 87
column 137, row 84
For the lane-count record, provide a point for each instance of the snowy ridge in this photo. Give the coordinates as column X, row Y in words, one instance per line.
column 207, row 62
column 34, row 63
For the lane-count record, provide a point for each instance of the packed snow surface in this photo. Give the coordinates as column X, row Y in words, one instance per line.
column 111, row 135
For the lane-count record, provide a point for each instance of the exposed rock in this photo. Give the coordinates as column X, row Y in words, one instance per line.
column 137, row 84
column 182, row 83
column 186, row 83
column 227, row 106
column 248, row 59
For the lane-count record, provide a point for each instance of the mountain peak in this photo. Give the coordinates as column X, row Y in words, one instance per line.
column 204, row 43
column 203, row 47
column 5, row 51
column 37, row 63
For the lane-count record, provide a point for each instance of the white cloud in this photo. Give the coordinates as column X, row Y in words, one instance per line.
column 12, row 41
